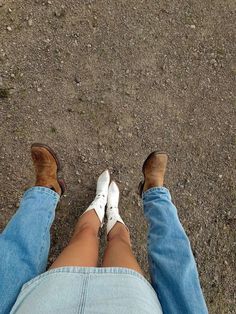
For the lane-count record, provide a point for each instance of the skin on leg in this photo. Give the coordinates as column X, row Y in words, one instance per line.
column 118, row 252
column 82, row 249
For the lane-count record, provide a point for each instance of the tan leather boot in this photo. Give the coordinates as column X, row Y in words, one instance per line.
column 46, row 166
column 154, row 169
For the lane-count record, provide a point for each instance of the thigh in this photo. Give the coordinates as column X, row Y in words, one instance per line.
column 118, row 252
column 82, row 249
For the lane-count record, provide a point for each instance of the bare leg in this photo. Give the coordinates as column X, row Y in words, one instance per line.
column 118, row 252
column 82, row 249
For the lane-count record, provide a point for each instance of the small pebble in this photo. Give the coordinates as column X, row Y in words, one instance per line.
column 77, row 79
column 60, row 12
column 30, row 22
column 213, row 62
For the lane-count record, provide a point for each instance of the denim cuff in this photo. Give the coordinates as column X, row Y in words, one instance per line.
column 43, row 190
column 155, row 189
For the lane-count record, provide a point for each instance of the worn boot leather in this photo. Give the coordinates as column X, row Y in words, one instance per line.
column 154, row 170
column 45, row 168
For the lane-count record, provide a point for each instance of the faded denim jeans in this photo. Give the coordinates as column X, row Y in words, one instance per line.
column 25, row 243
column 172, row 266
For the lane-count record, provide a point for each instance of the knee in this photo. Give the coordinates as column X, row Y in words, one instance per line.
column 85, row 230
column 121, row 235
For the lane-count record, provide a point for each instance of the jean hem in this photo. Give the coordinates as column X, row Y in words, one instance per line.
column 88, row 270
column 43, row 190
column 158, row 189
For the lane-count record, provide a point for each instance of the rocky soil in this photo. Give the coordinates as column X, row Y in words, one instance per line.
column 106, row 82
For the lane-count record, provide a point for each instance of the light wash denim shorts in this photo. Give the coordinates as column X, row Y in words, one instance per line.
column 90, row 290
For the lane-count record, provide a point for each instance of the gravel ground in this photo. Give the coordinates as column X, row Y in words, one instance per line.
column 106, row 82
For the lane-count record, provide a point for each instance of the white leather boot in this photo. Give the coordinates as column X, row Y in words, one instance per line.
column 100, row 200
column 112, row 211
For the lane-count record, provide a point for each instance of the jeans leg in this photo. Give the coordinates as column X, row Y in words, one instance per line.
column 25, row 243
column 173, row 269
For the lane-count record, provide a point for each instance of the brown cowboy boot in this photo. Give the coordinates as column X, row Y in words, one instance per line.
column 154, row 169
column 46, row 166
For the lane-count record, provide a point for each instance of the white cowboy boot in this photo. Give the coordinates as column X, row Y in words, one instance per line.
column 112, row 211
column 100, row 200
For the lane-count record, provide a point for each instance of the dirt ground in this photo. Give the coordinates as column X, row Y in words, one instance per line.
column 106, row 82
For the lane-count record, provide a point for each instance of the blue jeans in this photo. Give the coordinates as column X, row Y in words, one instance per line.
column 172, row 266
column 25, row 242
